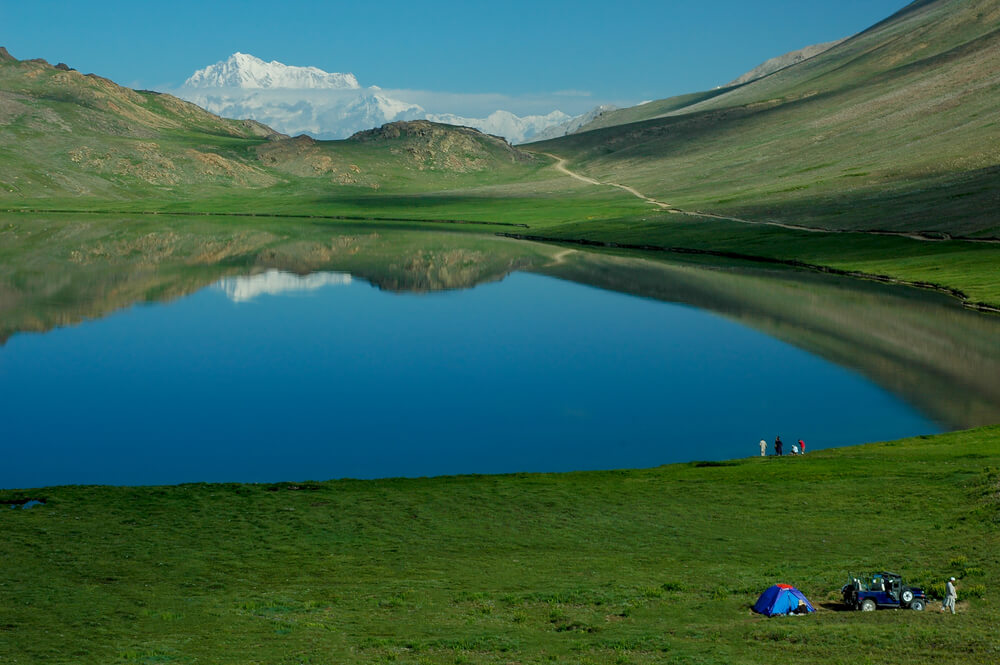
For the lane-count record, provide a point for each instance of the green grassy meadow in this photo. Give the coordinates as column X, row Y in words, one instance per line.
column 642, row 566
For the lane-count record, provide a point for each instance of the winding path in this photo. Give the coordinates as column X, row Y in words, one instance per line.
column 561, row 162
column 562, row 168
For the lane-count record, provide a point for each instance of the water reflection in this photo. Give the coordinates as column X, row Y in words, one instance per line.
column 919, row 346
column 529, row 374
column 941, row 357
column 275, row 282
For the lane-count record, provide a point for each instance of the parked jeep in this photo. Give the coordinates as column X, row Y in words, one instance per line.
column 870, row 592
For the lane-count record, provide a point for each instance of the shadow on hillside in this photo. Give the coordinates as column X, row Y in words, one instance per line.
column 954, row 205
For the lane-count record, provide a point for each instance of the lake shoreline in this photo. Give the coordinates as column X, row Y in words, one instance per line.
column 756, row 258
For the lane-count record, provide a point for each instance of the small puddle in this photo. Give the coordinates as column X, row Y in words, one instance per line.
column 26, row 504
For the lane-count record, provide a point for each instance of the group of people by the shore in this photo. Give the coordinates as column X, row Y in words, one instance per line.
column 779, row 447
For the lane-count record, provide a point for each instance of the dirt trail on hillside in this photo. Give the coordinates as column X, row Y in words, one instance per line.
column 560, row 166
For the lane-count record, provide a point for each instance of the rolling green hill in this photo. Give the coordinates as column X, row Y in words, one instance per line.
column 894, row 129
column 74, row 137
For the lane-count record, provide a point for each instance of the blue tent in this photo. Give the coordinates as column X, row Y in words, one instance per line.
column 781, row 599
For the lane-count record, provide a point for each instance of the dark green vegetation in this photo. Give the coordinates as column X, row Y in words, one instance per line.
column 646, row 566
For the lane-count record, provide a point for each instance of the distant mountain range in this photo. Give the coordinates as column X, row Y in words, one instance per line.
column 330, row 105
column 325, row 105
column 574, row 124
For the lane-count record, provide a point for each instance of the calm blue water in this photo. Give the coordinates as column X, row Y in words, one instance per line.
column 255, row 383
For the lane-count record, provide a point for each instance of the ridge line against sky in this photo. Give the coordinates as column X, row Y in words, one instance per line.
column 573, row 53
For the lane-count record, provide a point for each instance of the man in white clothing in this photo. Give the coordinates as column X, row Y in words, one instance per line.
column 763, row 448
column 950, row 596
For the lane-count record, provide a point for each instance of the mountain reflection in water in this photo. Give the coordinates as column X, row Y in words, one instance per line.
column 451, row 354
column 275, row 282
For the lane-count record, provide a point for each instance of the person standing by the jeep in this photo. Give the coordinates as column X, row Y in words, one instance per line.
column 950, row 596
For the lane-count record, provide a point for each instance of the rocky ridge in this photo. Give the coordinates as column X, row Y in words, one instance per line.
column 786, row 60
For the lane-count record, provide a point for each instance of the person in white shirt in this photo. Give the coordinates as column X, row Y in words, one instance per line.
column 763, row 448
column 950, row 596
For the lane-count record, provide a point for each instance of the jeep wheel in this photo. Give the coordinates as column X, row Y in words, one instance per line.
column 867, row 605
column 907, row 595
column 917, row 605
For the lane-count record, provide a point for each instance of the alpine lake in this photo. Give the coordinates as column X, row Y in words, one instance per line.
column 142, row 353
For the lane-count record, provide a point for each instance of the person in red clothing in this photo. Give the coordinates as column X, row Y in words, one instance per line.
column 802, row 447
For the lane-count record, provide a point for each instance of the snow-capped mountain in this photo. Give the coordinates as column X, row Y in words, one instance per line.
column 308, row 100
column 242, row 70
column 504, row 123
column 571, row 125
column 323, row 114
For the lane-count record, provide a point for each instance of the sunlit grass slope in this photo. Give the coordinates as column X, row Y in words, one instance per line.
column 895, row 128
column 652, row 566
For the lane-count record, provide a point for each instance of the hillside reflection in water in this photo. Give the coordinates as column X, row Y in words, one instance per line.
column 274, row 375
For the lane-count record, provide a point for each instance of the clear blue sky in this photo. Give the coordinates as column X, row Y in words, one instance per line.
column 615, row 50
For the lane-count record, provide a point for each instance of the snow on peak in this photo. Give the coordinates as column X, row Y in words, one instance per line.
column 242, row 70
column 295, row 100
column 504, row 123
column 572, row 125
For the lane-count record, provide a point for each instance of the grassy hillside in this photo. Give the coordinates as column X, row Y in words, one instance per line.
column 65, row 136
column 893, row 129
column 649, row 566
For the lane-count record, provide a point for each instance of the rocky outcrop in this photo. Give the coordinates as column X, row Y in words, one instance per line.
column 429, row 143
column 787, row 60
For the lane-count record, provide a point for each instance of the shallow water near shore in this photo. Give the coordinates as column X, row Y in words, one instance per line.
column 285, row 377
